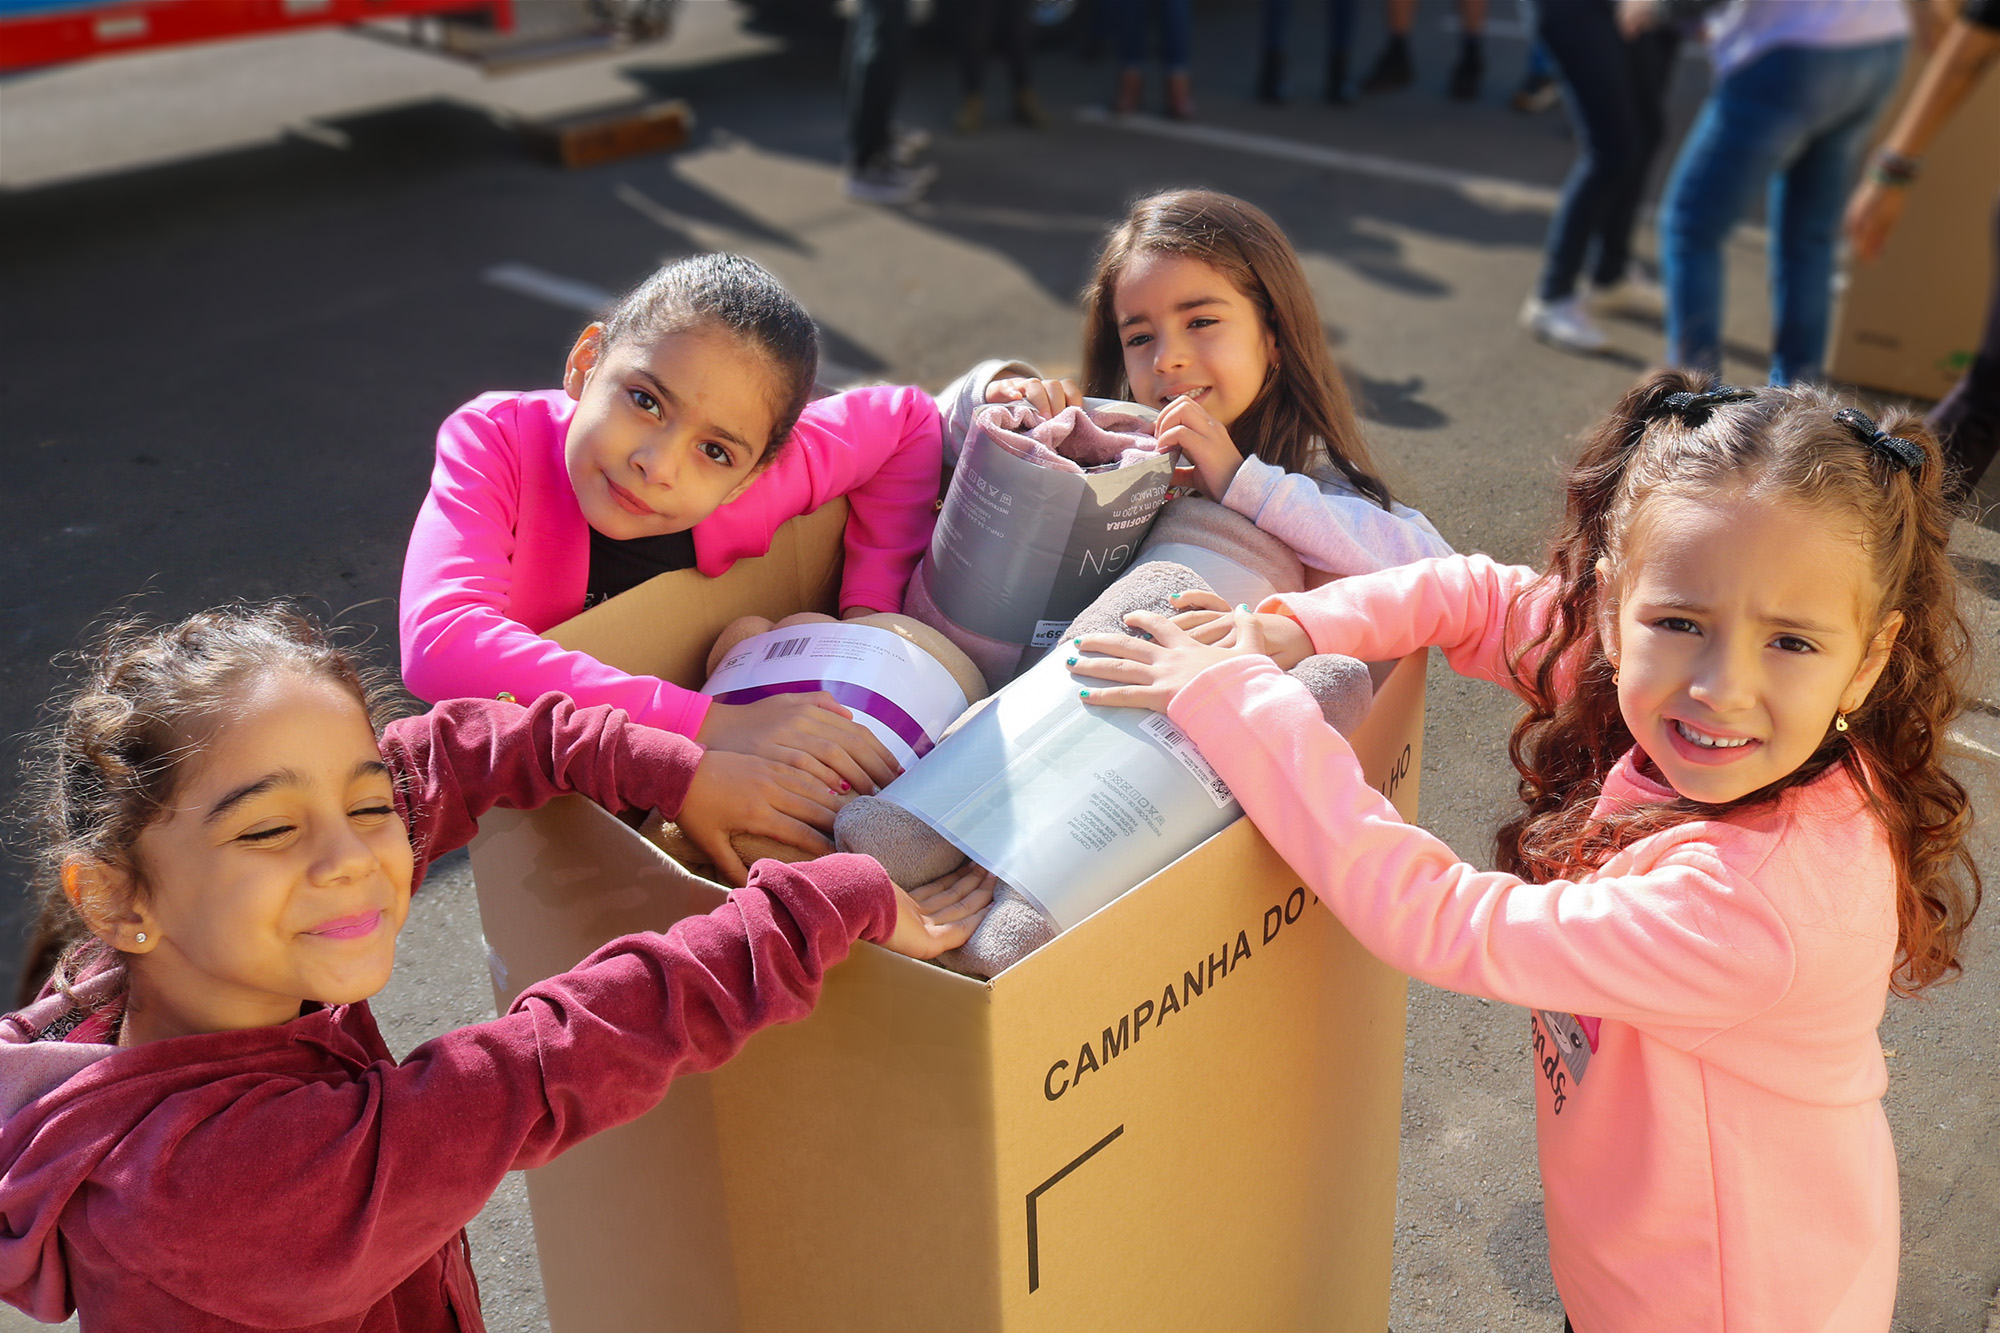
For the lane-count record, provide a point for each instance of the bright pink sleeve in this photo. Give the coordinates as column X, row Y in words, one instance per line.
column 1460, row 604
column 460, row 637
column 1681, row 941
column 880, row 447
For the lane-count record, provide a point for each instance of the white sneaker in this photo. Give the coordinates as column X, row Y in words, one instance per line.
column 908, row 144
column 1633, row 294
column 885, row 181
column 1565, row 324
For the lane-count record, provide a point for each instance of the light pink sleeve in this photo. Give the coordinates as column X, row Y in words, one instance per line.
column 1460, row 604
column 1685, row 942
column 459, row 638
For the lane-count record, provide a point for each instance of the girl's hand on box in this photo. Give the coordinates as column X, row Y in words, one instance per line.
column 1213, row 621
column 1148, row 673
column 942, row 914
column 808, row 731
column 1046, row 396
column 1204, row 443
column 740, row 793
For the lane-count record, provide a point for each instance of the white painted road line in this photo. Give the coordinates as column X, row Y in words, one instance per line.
column 565, row 292
column 570, row 294
column 1488, row 191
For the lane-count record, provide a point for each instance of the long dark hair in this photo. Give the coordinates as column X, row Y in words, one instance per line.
column 1787, row 444
column 1302, row 416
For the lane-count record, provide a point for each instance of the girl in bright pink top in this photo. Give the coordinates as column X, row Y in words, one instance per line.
column 682, row 437
column 1739, row 834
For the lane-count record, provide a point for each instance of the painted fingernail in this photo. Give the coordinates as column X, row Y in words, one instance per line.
column 1243, row 606
column 1083, row 694
column 845, row 787
column 1071, row 662
column 1177, row 596
column 1077, row 642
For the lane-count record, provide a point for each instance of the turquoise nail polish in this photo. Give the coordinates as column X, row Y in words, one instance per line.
column 1077, row 642
column 1243, row 606
column 1083, row 694
column 1071, row 662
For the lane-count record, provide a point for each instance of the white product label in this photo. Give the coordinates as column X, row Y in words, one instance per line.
column 1048, row 633
column 1180, row 747
column 1072, row 805
column 894, row 688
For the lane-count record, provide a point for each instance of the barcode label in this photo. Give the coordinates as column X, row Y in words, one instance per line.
column 1176, row 743
column 785, row 648
column 1048, row 633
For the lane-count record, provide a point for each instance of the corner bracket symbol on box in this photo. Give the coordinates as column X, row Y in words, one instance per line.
column 1034, row 1242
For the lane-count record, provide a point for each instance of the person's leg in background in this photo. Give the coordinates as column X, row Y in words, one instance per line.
column 1392, row 68
column 1967, row 420
column 1275, row 20
column 1582, row 38
column 1846, row 87
column 875, row 50
column 1748, row 127
column 1339, row 41
column 1127, row 20
column 1537, row 91
column 1017, row 39
column 1649, row 67
column 1176, row 49
column 1470, row 70
column 975, row 30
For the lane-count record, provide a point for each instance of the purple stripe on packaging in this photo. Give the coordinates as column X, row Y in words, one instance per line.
column 882, row 709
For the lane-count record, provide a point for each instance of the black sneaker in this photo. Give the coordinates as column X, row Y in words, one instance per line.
column 1392, row 69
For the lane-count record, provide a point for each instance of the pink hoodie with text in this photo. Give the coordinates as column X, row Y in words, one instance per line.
column 1707, row 1074
column 501, row 552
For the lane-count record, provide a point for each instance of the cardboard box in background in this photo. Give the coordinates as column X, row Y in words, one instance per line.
column 1181, row 1114
column 1909, row 321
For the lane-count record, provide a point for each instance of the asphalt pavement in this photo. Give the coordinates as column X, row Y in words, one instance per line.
column 243, row 283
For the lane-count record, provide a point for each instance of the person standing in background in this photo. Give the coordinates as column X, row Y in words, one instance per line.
column 1798, row 85
column 1615, row 61
column 879, row 171
column 1339, row 40
column 1394, row 69
column 980, row 22
column 1128, row 34
column 1967, row 421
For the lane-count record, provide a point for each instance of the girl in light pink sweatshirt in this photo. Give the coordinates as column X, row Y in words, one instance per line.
column 682, row 438
column 1739, row 836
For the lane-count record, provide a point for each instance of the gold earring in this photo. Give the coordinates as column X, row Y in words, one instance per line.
column 1840, row 722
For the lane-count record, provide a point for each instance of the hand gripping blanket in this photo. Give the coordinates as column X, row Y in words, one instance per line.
column 1041, row 515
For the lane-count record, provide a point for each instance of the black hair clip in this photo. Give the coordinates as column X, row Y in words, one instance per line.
column 1694, row 408
column 1903, row 455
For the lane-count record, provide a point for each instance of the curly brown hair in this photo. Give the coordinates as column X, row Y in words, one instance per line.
column 124, row 737
column 1785, row 444
column 1302, row 416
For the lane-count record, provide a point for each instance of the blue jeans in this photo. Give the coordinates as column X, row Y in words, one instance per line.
column 1129, row 31
column 1616, row 92
column 1795, row 121
column 1339, row 25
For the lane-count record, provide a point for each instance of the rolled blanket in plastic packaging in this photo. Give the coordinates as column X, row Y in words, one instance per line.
column 1041, row 516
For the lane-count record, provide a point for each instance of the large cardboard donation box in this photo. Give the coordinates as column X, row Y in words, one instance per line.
column 1910, row 320
column 1181, row 1114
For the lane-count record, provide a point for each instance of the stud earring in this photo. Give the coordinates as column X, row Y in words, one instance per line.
column 1840, row 722
column 139, row 938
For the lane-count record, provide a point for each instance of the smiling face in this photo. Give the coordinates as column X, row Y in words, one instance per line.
column 1186, row 329
column 280, row 872
column 665, row 433
column 1741, row 628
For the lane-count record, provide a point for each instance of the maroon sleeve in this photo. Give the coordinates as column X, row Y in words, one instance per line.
column 364, row 1176
column 466, row 756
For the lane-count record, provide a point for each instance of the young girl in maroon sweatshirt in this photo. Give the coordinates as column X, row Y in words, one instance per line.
column 200, row 1126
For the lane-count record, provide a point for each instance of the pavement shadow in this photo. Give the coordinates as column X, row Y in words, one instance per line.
column 1518, row 1249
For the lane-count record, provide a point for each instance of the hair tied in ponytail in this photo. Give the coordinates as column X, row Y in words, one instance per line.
column 1901, row 454
column 1694, row 408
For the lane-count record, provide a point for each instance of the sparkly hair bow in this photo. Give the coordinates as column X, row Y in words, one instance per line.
column 1694, row 408
column 1902, row 455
